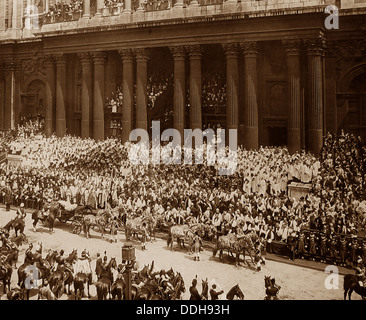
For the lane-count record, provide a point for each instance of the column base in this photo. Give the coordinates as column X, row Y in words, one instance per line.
column 315, row 141
column 293, row 140
column 250, row 139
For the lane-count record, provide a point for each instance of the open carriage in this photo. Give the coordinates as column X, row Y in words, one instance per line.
column 75, row 214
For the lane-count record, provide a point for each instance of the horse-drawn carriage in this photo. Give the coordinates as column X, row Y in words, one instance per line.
column 64, row 212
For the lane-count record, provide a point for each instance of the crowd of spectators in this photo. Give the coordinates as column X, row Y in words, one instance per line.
column 254, row 198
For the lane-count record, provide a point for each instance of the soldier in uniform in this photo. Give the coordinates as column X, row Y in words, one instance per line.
column 301, row 245
column 360, row 271
column 343, row 250
column 197, row 243
column 333, row 249
column 194, row 292
column 37, row 259
column 312, row 246
column 214, row 293
column 28, row 259
column 21, row 212
column 323, row 247
column 353, row 253
column 98, row 265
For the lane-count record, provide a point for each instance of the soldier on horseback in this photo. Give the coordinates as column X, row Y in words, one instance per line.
column 360, row 272
column 28, row 259
column 38, row 260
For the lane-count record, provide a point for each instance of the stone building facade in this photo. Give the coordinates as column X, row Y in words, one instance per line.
column 288, row 79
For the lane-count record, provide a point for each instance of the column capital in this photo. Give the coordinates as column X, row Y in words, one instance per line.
column 60, row 59
column 126, row 54
column 178, row 51
column 85, row 57
column 249, row 48
column 49, row 60
column 292, row 47
column 194, row 51
column 9, row 65
column 142, row 54
column 316, row 46
column 231, row 49
column 98, row 57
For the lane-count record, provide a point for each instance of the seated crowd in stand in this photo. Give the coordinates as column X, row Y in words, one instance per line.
column 84, row 171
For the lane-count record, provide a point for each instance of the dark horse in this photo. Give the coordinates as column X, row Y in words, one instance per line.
column 235, row 291
column 49, row 219
column 6, row 269
column 17, row 224
column 63, row 274
column 204, row 293
column 26, row 271
column 350, row 284
column 118, row 287
column 105, row 281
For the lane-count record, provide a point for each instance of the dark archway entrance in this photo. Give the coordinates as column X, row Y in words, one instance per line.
column 351, row 113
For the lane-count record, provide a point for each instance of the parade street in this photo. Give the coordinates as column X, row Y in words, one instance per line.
column 296, row 282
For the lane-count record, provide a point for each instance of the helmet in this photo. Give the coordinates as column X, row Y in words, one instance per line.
column 22, row 205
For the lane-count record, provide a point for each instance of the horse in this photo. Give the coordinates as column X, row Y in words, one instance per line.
column 26, row 271
column 179, row 287
column 118, row 287
column 6, row 269
column 235, row 291
column 49, row 219
column 84, row 275
column 179, row 233
column 63, row 274
column 105, row 280
column 204, row 293
column 232, row 243
column 100, row 221
column 350, row 284
column 48, row 293
column 17, row 224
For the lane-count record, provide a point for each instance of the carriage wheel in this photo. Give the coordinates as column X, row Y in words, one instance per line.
column 76, row 227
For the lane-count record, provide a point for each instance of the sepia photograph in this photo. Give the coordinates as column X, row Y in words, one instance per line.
column 187, row 150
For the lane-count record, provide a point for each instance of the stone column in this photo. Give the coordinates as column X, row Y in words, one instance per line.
column 127, row 90
column 128, row 6
column 292, row 48
column 178, row 4
column 60, row 95
column 316, row 94
column 50, row 95
column 141, row 89
column 47, row 6
column 100, row 4
column 2, row 96
column 179, row 56
column 17, row 99
column 195, row 86
column 232, row 84
column 9, row 94
column 98, row 106
column 86, row 9
column 86, row 93
column 250, row 51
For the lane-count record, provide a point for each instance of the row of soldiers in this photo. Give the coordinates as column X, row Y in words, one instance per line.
column 334, row 248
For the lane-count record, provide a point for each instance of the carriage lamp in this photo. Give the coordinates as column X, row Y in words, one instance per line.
column 128, row 255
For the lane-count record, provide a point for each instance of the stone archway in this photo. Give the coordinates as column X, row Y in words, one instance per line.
column 33, row 101
column 351, row 102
